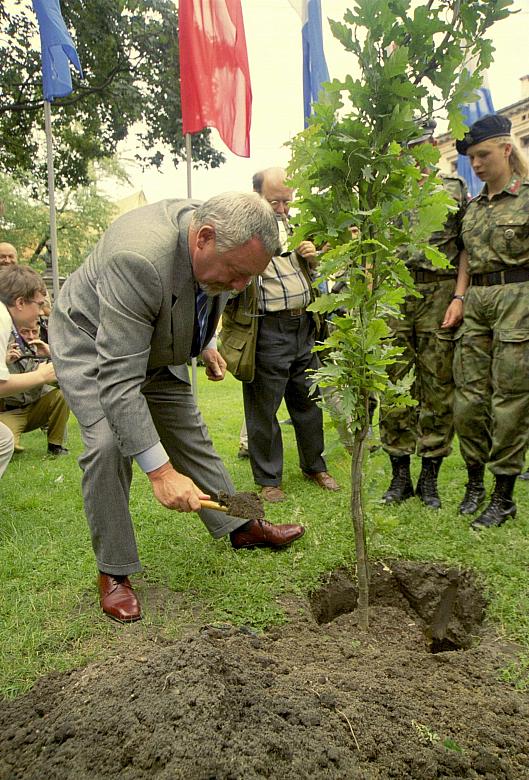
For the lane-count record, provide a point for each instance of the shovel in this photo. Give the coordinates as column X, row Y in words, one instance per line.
column 213, row 505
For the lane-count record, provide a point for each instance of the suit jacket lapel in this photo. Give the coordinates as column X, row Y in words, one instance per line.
column 183, row 296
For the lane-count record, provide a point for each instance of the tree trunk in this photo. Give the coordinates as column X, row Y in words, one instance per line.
column 357, row 515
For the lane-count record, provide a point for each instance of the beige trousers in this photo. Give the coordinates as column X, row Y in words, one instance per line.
column 50, row 410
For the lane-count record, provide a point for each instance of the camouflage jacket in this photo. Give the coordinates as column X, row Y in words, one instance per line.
column 496, row 231
column 447, row 240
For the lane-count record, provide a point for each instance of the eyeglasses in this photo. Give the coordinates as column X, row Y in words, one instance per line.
column 40, row 304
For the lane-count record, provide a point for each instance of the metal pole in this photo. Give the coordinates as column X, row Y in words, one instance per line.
column 51, row 196
column 194, row 377
column 188, row 163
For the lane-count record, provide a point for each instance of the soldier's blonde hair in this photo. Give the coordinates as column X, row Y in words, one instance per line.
column 516, row 159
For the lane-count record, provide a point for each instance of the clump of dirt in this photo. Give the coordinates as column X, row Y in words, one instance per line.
column 316, row 698
column 248, row 505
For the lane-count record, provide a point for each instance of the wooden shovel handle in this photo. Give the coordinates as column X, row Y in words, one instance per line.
column 213, row 505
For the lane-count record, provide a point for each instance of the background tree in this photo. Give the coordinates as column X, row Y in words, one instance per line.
column 83, row 213
column 129, row 53
column 352, row 169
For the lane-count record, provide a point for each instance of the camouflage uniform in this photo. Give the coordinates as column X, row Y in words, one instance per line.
column 428, row 427
column 491, row 366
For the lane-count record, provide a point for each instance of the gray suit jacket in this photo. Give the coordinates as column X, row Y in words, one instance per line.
column 128, row 310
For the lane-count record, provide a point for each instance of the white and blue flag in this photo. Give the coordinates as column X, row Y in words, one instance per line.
column 315, row 70
column 471, row 113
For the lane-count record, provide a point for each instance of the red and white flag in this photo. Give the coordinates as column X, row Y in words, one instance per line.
column 214, row 74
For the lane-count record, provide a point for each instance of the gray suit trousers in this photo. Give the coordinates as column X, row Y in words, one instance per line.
column 107, row 474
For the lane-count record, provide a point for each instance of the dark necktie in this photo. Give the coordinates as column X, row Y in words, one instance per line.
column 199, row 336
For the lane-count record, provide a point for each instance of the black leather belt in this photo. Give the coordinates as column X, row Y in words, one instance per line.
column 286, row 313
column 509, row 276
column 430, row 276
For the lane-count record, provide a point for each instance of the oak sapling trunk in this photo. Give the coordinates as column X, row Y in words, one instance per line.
column 357, row 516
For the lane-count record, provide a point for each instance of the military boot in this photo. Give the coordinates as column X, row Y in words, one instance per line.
column 475, row 489
column 427, row 485
column 401, row 486
column 501, row 505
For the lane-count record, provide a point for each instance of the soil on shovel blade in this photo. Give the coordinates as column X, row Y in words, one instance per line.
column 248, row 505
column 418, row 696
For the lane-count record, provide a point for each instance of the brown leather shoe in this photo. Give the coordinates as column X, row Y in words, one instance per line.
column 273, row 493
column 117, row 598
column 323, row 479
column 259, row 533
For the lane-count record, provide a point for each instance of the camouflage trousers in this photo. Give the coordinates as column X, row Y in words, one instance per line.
column 491, row 372
column 427, row 428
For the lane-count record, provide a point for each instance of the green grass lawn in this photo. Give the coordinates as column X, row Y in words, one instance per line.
column 49, row 617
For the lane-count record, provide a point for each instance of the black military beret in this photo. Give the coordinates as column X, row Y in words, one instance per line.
column 490, row 126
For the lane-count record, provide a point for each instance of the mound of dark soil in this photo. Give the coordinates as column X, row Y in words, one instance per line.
column 316, row 698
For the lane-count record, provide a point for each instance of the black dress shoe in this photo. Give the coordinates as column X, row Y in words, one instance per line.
column 259, row 533
column 56, row 450
column 117, row 598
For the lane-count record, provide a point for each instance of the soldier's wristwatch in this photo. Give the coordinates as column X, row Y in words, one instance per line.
column 458, row 297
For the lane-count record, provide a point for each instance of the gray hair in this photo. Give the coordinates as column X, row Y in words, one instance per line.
column 238, row 217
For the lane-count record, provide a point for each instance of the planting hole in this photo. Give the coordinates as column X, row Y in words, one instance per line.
column 445, row 601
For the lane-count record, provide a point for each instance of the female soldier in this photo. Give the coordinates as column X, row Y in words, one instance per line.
column 491, row 367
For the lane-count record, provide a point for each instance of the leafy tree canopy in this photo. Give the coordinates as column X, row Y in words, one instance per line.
column 129, row 53
column 83, row 213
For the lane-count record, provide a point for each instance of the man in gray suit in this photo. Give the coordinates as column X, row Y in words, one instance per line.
column 146, row 299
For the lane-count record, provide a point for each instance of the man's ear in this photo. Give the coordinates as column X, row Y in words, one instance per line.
column 19, row 302
column 205, row 235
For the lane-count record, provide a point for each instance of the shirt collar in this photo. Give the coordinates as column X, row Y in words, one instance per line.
column 511, row 188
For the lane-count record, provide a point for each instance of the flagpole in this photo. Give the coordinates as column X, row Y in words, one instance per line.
column 194, row 377
column 188, row 164
column 51, row 196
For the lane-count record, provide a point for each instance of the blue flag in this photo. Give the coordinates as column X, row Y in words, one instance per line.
column 472, row 112
column 315, row 70
column 57, row 50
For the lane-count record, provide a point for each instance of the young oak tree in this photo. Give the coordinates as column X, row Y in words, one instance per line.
column 362, row 191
